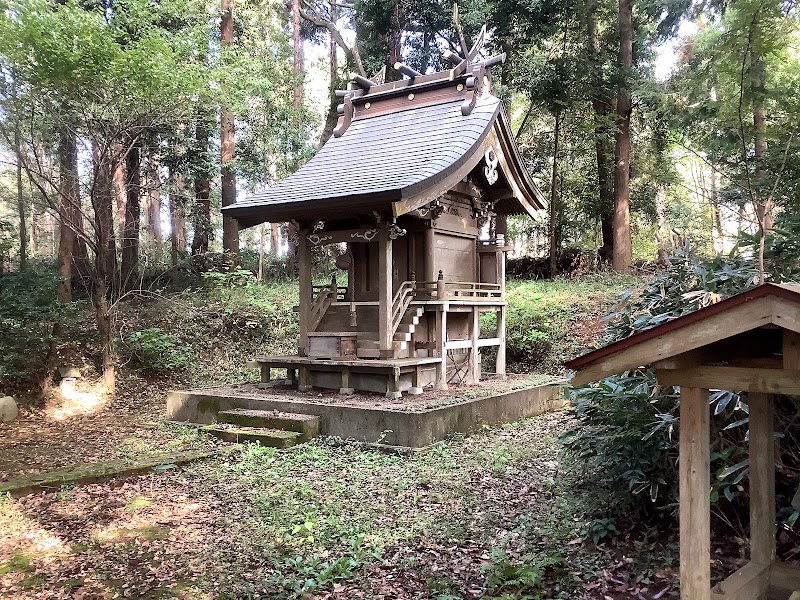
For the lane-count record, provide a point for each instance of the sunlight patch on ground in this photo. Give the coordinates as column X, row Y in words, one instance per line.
column 22, row 535
column 78, row 401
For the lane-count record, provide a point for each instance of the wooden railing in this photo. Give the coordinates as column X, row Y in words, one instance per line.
column 400, row 303
column 325, row 296
column 457, row 290
column 340, row 291
column 473, row 291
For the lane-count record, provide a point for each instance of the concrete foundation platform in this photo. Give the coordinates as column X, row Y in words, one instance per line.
column 409, row 428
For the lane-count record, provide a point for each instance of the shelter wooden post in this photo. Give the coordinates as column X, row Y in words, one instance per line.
column 304, row 264
column 762, row 479
column 385, row 295
column 695, row 484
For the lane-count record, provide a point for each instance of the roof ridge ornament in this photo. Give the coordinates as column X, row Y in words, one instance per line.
column 466, row 60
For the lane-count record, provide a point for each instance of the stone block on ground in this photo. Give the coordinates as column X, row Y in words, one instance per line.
column 9, row 410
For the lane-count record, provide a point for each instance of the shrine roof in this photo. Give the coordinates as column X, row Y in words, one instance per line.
column 399, row 146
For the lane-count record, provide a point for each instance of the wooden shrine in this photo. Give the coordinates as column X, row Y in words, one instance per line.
column 750, row 343
column 414, row 186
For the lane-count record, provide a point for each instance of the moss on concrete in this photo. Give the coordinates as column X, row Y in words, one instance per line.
column 93, row 472
column 274, row 438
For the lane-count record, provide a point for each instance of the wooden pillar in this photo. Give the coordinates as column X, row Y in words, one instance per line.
column 385, row 295
column 475, row 355
column 416, row 380
column 762, row 478
column 303, row 380
column 500, row 366
column 393, row 393
column 695, row 485
column 347, row 382
column 441, row 348
column 304, row 264
column 430, row 260
column 501, row 266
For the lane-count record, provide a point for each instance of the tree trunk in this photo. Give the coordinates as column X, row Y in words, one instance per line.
column 553, row 241
column 202, row 193
column 332, row 116
column 177, row 216
column 261, row 240
column 714, row 195
column 622, row 254
column 130, row 230
column 758, row 82
column 662, row 234
column 601, row 107
column 153, row 203
column 102, row 202
column 120, row 191
column 275, row 238
column 23, row 227
column 394, row 42
column 230, row 227
column 297, row 56
column 68, row 178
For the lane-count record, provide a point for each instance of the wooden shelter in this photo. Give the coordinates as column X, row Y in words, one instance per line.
column 415, row 176
column 751, row 343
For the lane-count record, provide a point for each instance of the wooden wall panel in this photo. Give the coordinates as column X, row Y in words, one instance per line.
column 455, row 256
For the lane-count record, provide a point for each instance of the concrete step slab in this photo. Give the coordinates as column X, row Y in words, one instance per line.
column 274, row 438
column 307, row 425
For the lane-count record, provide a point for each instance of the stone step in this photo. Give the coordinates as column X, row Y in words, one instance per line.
column 401, row 336
column 407, row 327
column 307, row 425
column 274, row 438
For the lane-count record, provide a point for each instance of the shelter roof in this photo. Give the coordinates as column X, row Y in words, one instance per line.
column 767, row 305
column 400, row 145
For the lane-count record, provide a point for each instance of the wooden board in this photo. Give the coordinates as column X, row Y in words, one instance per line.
column 748, row 583
column 750, row 379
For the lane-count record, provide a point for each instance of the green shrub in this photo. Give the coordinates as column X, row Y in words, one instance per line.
column 627, row 424
column 156, row 350
column 521, row 577
column 29, row 313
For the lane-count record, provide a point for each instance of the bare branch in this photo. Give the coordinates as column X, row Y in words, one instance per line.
column 311, row 15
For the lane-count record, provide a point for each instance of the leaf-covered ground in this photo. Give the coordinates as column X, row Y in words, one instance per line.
column 495, row 515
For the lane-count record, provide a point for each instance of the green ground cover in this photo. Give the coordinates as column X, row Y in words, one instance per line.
column 501, row 514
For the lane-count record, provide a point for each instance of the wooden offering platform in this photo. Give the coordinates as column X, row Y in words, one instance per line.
column 388, row 376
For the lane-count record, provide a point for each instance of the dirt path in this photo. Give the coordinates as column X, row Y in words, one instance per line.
column 87, row 429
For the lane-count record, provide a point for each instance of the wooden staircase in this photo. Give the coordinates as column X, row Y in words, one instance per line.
column 369, row 346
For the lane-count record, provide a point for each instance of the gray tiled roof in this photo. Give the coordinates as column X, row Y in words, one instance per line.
column 399, row 152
